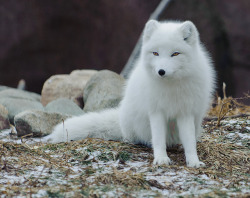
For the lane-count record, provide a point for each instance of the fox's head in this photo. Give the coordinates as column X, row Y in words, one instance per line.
column 169, row 48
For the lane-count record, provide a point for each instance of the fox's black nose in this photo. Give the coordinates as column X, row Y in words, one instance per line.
column 161, row 72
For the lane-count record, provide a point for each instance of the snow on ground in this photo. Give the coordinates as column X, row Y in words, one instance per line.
column 111, row 169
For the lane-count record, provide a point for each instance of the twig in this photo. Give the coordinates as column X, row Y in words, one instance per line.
column 24, row 136
column 225, row 117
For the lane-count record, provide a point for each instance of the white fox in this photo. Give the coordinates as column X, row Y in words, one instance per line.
column 171, row 84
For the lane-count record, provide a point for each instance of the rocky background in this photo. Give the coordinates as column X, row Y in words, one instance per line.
column 63, row 96
column 43, row 38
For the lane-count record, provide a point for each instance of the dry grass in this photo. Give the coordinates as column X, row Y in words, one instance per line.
column 97, row 168
column 228, row 107
column 224, row 160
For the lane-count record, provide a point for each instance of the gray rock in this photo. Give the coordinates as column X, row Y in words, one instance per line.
column 64, row 106
column 37, row 123
column 18, row 105
column 4, row 88
column 4, row 120
column 66, row 86
column 19, row 94
column 104, row 90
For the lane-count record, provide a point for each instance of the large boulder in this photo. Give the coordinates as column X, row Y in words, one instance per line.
column 66, row 86
column 19, row 94
column 17, row 101
column 16, row 106
column 104, row 90
column 64, row 106
column 3, row 88
column 37, row 123
column 4, row 120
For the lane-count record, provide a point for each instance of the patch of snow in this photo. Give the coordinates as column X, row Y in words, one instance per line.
column 6, row 136
column 11, row 179
column 232, row 121
column 41, row 193
column 243, row 135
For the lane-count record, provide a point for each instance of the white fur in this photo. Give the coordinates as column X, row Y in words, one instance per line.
column 103, row 125
column 152, row 100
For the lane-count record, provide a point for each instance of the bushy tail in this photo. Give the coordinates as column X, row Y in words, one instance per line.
column 104, row 125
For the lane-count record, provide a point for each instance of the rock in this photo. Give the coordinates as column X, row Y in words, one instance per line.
column 18, row 105
column 64, row 106
column 4, row 120
column 66, row 86
column 16, row 101
column 19, row 94
column 3, row 88
column 37, row 123
column 103, row 90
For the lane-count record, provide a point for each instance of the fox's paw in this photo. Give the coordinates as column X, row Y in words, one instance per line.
column 195, row 164
column 162, row 160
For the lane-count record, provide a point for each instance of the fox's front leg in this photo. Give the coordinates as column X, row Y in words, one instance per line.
column 186, row 128
column 158, row 131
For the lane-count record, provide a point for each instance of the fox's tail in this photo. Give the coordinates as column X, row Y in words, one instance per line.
column 104, row 125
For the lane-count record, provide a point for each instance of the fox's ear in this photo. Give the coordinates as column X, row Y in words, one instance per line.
column 150, row 27
column 189, row 32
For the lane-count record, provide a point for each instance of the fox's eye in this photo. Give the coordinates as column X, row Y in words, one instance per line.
column 175, row 54
column 156, row 53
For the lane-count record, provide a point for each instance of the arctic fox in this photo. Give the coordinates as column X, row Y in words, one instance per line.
column 165, row 98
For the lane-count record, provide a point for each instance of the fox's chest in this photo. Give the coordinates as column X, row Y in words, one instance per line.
column 170, row 102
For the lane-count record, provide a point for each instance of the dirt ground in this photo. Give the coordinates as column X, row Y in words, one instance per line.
column 97, row 168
